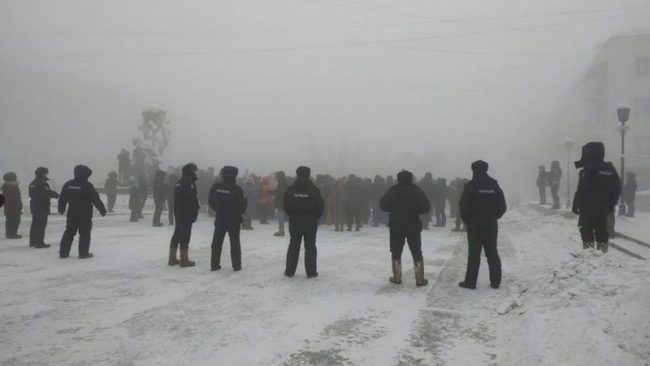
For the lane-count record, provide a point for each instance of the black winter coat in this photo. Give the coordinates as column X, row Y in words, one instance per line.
column 482, row 201
column 405, row 202
column 40, row 194
column 279, row 194
column 135, row 202
column 186, row 202
column 13, row 201
column 110, row 186
column 227, row 200
column 159, row 191
column 79, row 196
column 598, row 190
column 303, row 200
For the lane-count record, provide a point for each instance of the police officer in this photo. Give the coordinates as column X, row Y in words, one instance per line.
column 227, row 200
column 186, row 211
column 482, row 204
column 598, row 191
column 406, row 202
column 79, row 196
column 159, row 197
column 304, row 205
column 40, row 194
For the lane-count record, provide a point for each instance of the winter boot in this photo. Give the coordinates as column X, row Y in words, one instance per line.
column 185, row 261
column 587, row 245
column 419, row 274
column 42, row 246
column 280, row 232
column 397, row 272
column 313, row 275
column 602, row 247
column 172, row 257
column 85, row 256
column 468, row 286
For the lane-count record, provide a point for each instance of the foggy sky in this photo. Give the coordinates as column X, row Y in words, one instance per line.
column 369, row 86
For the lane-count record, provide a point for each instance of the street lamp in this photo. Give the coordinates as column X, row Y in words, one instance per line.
column 568, row 144
column 623, row 112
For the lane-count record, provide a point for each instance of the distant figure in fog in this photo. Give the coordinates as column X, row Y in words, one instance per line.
column 159, row 197
column 13, row 205
column 482, row 204
column 171, row 184
column 135, row 202
column 440, row 203
column 79, row 196
column 629, row 194
column 406, row 202
column 40, row 205
column 110, row 188
column 598, row 192
column 542, row 180
column 554, row 179
column 124, row 166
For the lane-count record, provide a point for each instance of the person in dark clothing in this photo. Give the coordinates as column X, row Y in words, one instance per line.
column 598, row 192
column 229, row 204
column 143, row 191
column 378, row 190
column 204, row 194
column 2, row 200
column 628, row 195
column 251, row 193
column 169, row 189
column 429, row 187
column 554, row 179
column 79, row 196
column 135, row 202
column 542, row 180
column 304, row 205
column 124, row 166
column 459, row 224
column 406, row 202
column 355, row 201
column 186, row 211
column 482, row 204
column 40, row 194
column 110, row 188
column 278, row 193
column 159, row 197
column 13, row 205
column 440, row 203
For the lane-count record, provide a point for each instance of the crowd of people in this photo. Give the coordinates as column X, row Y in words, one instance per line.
column 349, row 203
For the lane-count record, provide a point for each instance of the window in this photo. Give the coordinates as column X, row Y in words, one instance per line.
column 642, row 146
column 642, row 107
column 642, row 65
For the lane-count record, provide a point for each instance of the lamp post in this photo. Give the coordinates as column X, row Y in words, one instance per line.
column 623, row 112
column 568, row 144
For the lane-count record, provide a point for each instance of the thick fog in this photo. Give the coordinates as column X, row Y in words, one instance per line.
column 364, row 86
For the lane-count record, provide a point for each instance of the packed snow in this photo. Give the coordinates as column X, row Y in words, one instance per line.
column 558, row 305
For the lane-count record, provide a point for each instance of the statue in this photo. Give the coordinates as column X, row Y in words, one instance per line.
column 148, row 150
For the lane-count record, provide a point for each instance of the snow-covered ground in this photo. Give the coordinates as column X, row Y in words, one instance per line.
column 558, row 305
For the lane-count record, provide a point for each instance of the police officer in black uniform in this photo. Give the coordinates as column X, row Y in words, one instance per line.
column 186, row 211
column 598, row 191
column 482, row 204
column 227, row 200
column 40, row 194
column 406, row 202
column 304, row 205
column 79, row 196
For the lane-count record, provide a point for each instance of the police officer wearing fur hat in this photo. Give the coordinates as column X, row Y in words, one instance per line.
column 186, row 211
column 482, row 204
column 40, row 194
column 79, row 196
column 304, row 205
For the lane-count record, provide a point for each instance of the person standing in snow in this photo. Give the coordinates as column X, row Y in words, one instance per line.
column 304, row 205
column 13, row 205
column 227, row 200
column 169, row 189
column 110, row 188
column 124, row 166
column 159, row 196
column 554, row 178
column 40, row 194
column 542, row 180
column 598, row 192
column 79, row 196
column 482, row 204
column 278, row 193
column 186, row 211
column 406, row 202
column 629, row 194
column 440, row 203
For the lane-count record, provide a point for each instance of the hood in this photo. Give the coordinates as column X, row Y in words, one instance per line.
column 10, row 177
column 112, row 175
column 229, row 174
column 405, row 177
column 592, row 152
column 42, row 172
column 479, row 168
column 303, row 172
column 160, row 174
column 82, row 172
column 280, row 176
column 190, row 170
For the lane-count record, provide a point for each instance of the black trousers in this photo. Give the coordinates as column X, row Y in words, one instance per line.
column 220, row 230
column 135, row 214
column 182, row 235
column 542, row 195
column 170, row 205
column 483, row 236
column 12, row 223
column 158, row 212
column 299, row 229
column 593, row 228
column 441, row 215
column 84, row 226
column 556, row 196
column 37, row 230
column 111, row 198
column 410, row 233
column 353, row 215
